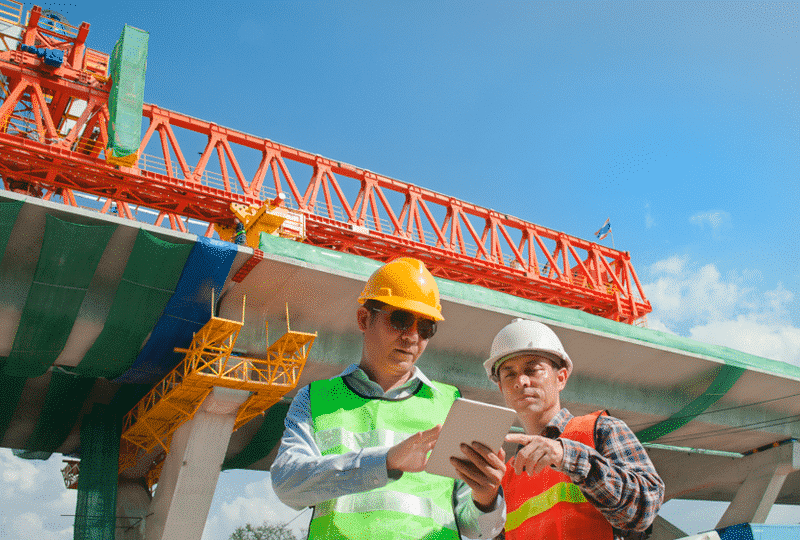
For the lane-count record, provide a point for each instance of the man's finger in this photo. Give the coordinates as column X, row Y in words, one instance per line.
column 469, row 472
column 486, row 454
column 430, row 435
column 527, row 459
column 518, row 438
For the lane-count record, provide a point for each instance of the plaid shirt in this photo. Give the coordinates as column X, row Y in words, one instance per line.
column 618, row 478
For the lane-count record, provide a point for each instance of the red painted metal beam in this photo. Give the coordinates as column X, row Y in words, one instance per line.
column 347, row 208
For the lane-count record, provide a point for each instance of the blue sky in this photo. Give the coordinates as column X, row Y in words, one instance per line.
column 680, row 121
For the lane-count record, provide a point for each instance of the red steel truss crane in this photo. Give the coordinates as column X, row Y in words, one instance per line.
column 53, row 135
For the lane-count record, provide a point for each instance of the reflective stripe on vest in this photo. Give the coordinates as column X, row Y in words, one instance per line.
column 561, row 492
column 417, row 505
column 327, row 440
column 376, row 501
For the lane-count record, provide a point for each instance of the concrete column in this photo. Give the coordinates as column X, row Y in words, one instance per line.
column 664, row 530
column 766, row 474
column 186, row 486
column 133, row 504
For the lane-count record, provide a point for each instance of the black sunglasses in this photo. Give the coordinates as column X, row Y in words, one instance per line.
column 403, row 320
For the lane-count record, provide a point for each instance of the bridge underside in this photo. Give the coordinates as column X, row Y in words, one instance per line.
column 134, row 292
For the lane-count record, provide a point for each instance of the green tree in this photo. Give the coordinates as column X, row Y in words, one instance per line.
column 265, row 531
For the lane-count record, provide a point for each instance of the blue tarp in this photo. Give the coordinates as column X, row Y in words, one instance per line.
column 756, row 531
column 187, row 311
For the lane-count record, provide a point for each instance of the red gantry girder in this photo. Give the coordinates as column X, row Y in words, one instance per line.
column 347, row 209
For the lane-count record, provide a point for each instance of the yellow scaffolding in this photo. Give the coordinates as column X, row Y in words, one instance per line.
column 271, row 218
column 211, row 361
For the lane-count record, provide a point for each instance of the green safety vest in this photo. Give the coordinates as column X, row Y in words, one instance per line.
column 417, row 505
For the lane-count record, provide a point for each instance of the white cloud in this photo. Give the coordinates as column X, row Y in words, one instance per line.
column 681, row 294
column 18, row 476
column 672, row 265
column 30, row 526
column 656, row 324
column 777, row 342
column 716, row 219
column 238, row 501
column 36, row 505
column 698, row 302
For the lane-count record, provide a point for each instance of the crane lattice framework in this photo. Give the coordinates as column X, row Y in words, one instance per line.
column 52, row 139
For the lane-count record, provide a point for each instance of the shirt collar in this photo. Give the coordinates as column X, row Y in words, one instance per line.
column 556, row 426
column 358, row 376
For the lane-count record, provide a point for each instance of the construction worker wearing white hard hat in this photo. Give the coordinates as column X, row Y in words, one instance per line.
column 576, row 478
column 355, row 445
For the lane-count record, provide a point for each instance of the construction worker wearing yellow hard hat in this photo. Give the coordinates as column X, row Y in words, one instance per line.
column 355, row 446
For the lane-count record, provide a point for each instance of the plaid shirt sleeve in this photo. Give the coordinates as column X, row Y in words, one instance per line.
column 618, row 478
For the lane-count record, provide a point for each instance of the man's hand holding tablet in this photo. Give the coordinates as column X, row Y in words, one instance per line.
column 469, row 447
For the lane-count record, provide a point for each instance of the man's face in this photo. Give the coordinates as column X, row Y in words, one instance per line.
column 387, row 348
column 531, row 384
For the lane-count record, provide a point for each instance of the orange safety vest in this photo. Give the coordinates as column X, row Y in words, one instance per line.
column 548, row 506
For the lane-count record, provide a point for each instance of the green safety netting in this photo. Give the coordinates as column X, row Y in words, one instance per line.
column 8, row 217
column 95, row 512
column 148, row 282
column 63, row 402
column 125, row 101
column 56, row 294
column 9, row 397
column 265, row 439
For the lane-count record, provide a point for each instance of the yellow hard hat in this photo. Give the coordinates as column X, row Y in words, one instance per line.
column 406, row 284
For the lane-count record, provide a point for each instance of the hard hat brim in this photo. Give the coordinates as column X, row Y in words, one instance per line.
column 492, row 364
column 414, row 306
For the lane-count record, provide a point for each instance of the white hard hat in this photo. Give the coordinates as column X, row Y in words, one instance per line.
column 522, row 336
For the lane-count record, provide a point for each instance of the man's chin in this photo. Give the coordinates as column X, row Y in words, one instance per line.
column 528, row 404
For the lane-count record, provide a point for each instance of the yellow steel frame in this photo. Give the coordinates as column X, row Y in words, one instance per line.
column 210, row 361
column 268, row 218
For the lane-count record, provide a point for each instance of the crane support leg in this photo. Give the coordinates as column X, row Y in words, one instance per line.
column 186, row 486
column 767, row 471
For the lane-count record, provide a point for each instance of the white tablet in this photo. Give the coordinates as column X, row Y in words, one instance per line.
column 468, row 421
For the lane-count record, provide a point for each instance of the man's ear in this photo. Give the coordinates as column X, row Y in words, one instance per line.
column 561, row 377
column 362, row 318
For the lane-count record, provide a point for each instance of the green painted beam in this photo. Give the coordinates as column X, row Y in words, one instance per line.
column 724, row 381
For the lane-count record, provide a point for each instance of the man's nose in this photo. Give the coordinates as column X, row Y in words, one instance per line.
column 412, row 331
column 522, row 381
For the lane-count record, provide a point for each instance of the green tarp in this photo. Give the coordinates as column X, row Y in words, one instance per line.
column 64, row 400
column 67, row 262
column 12, row 386
column 148, row 282
column 125, row 101
column 8, row 216
column 9, row 398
